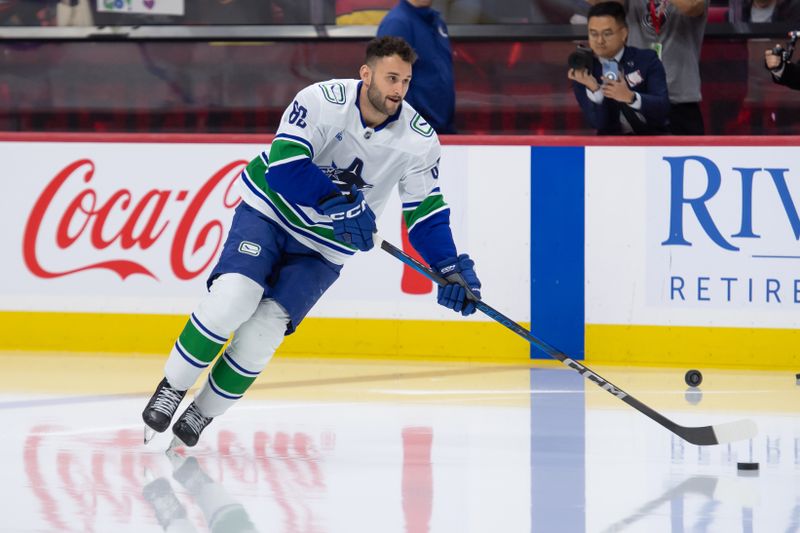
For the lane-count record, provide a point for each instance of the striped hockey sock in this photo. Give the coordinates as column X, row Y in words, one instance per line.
column 194, row 350
column 227, row 382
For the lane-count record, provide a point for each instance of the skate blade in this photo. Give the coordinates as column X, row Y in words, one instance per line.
column 149, row 433
column 175, row 444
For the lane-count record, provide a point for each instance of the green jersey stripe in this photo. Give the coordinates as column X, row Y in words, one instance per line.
column 287, row 209
column 256, row 170
column 431, row 204
column 284, row 149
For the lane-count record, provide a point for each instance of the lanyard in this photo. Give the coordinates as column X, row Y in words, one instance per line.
column 655, row 16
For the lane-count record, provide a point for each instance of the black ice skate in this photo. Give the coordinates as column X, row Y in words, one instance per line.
column 160, row 409
column 189, row 426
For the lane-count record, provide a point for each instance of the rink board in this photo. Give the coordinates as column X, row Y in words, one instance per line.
column 692, row 254
column 114, row 237
column 672, row 254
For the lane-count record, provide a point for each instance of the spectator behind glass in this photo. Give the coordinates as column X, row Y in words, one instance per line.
column 626, row 90
column 783, row 72
column 764, row 11
column 674, row 29
column 432, row 92
column 27, row 12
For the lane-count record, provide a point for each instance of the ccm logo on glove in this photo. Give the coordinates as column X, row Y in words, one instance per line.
column 350, row 213
column 463, row 287
column 353, row 220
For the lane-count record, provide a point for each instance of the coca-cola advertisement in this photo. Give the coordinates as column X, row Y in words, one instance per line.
column 135, row 226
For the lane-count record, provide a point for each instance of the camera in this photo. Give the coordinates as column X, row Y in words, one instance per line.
column 581, row 59
column 786, row 53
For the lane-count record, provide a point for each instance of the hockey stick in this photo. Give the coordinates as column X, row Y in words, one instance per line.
column 701, row 436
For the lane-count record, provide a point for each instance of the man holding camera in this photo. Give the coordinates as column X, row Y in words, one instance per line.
column 778, row 62
column 621, row 89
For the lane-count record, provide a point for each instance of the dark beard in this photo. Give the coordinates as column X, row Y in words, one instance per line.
column 376, row 99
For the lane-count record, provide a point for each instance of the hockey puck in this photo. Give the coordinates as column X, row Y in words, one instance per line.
column 747, row 466
column 797, row 377
column 693, row 378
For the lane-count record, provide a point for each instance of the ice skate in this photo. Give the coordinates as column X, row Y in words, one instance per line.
column 160, row 409
column 189, row 426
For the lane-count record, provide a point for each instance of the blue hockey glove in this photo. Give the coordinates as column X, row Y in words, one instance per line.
column 463, row 287
column 353, row 220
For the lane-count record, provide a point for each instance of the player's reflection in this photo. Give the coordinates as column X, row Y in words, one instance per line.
column 700, row 485
column 714, row 491
column 221, row 511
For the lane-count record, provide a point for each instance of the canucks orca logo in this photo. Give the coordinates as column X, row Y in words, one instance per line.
column 345, row 178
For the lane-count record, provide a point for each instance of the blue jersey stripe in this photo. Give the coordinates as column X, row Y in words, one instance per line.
column 307, row 234
column 294, row 207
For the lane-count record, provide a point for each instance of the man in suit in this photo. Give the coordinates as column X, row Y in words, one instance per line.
column 626, row 90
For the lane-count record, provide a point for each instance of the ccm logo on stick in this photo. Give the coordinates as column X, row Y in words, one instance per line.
column 591, row 376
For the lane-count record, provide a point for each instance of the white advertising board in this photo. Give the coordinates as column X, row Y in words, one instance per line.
column 136, row 228
column 693, row 236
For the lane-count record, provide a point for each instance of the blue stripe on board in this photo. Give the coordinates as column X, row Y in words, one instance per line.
column 557, row 249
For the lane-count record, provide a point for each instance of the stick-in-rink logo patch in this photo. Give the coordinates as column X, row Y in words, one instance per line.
column 249, row 248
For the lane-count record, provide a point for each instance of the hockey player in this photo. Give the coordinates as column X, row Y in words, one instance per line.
column 308, row 205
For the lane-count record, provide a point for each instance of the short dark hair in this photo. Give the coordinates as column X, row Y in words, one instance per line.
column 388, row 46
column 611, row 9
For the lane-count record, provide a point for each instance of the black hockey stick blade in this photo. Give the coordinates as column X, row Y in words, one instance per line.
column 701, row 436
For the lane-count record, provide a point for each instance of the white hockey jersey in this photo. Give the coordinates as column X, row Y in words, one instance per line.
column 324, row 124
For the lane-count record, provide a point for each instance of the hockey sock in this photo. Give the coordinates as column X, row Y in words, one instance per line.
column 231, row 300
column 251, row 349
column 194, row 350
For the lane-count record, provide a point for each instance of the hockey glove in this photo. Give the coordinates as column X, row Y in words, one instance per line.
column 353, row 220
column 463, row 287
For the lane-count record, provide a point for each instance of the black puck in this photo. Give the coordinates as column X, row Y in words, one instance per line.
column 797, row 377
column 693, row 378
column 747, row 466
